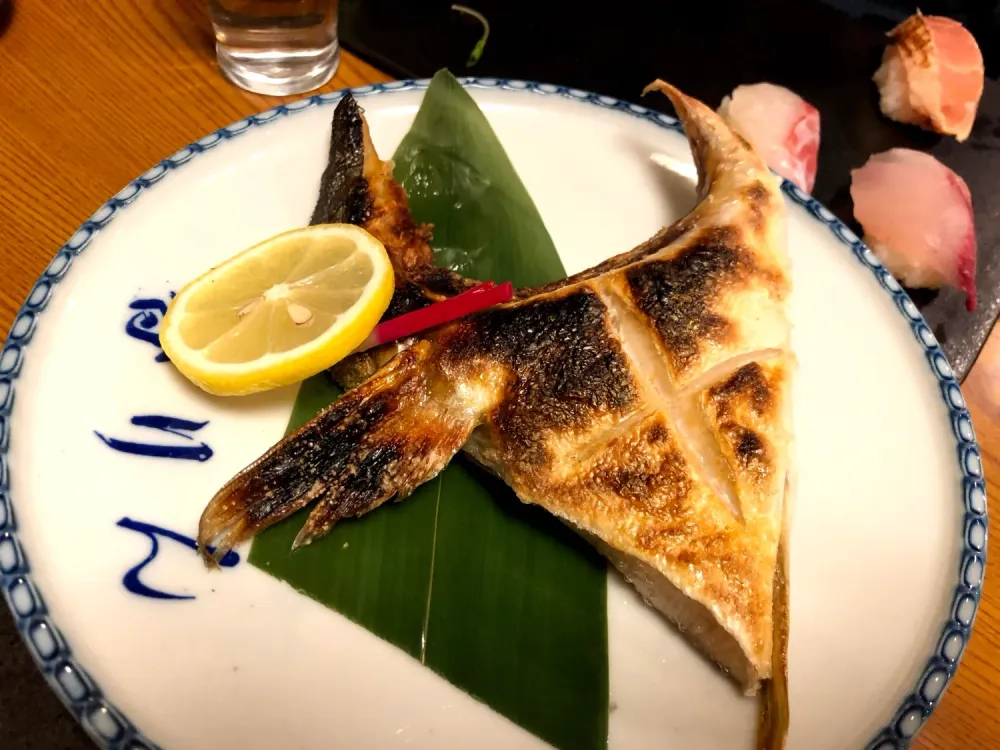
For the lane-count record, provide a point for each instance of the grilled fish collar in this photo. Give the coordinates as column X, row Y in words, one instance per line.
column 646, row 401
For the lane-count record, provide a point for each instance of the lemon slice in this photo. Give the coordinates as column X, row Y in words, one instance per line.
column 279, row 311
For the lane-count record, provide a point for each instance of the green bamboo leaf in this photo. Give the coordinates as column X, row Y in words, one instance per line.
column 458, row 177
column 497, row 597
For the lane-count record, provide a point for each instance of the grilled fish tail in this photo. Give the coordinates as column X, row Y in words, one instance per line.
column 381, row 440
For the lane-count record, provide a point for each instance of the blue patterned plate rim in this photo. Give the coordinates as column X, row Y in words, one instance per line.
column 110, row 728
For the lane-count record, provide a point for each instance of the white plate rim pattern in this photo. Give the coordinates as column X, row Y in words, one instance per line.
column 111, row 729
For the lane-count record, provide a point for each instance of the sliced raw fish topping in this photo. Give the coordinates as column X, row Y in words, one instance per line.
column 782, row 126
column 917, row 217
column 931, row 75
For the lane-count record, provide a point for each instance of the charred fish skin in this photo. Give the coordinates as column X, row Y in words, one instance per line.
column 343, row 193
column 525, row 370
column 381, row 440
column 645, row 402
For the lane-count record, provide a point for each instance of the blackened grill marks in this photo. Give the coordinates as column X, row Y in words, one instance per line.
column 566, row 367
column 660, row 393
column 722, row 372
column 749, row 381
column 343, row 190
column 648, row 470
column 758, row 202
column 407, row 298
column 431, row 417
column 750, row 450
column 443, row 281
column 312, row 455
column 677, row 294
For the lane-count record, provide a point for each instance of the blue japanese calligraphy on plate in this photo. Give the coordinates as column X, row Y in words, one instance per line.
column 108, row 456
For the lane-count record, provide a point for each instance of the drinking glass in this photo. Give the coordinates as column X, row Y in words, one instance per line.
column 276, row 47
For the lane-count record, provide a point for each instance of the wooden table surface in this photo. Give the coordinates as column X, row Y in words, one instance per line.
column 93, row 94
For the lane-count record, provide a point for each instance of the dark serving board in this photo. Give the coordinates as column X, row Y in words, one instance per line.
column 707, row 48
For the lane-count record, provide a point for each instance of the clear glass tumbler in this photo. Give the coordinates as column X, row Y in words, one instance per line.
column 276, row 47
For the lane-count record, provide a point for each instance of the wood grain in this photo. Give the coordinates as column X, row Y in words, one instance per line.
column 93, row 94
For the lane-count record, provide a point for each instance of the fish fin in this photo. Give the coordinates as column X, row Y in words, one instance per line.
column 728, row 168
column 386, row 437
column 726, row 161
column 343, row 190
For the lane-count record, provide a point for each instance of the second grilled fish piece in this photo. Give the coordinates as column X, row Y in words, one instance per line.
column 645, row 402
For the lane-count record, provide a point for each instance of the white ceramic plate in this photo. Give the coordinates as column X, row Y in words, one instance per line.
column 889, row 532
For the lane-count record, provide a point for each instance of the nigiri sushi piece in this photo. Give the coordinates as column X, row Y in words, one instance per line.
column 781, row 126
column 931, row 75
column 917, row 217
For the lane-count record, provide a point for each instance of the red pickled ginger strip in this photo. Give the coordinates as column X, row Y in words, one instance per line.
column 473, row 300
